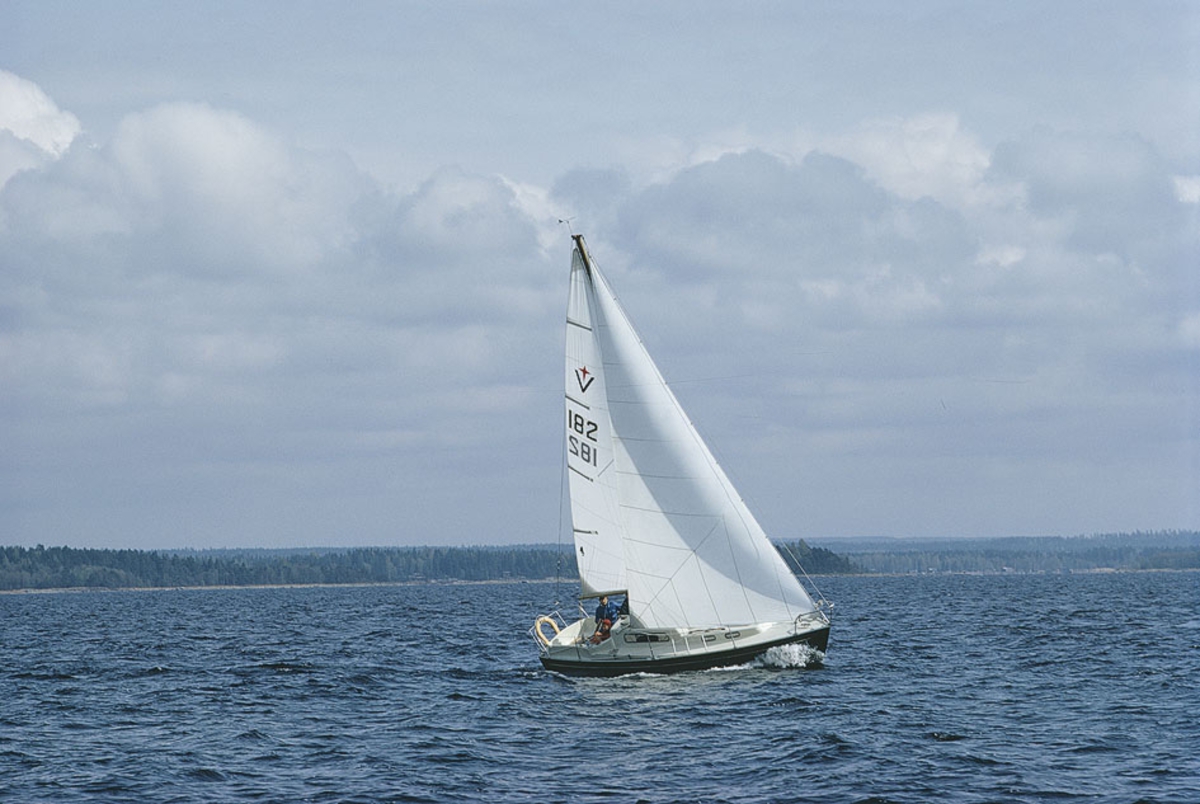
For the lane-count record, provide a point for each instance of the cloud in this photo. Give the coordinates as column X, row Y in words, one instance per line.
column 798, row 245
column 17, row 154
column 197, row 190
column 591, row 196
column 1187, row 189
column 927, row 155
column 1004, row 313
column 1110, row 193
column 200, row 247
column 233, row 190
column 211, row 334
column 216, row 310
column 33, row 130
column 455, row 212
column 29, row 114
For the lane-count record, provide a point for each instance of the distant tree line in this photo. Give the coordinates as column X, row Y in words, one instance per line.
column 1160, row 550
column 802, row 558
column 66, row 567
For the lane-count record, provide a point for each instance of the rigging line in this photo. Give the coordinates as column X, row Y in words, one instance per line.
column 740, row 504
column 715, row 379
column 668, row 384
column 780, row 566
column 803, row 572
column 741, row 508
column 733, row 496
column 562, row 483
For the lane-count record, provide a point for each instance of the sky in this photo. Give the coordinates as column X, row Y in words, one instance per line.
column 292, row 274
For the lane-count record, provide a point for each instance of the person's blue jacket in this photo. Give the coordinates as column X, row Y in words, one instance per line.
column 607, row 611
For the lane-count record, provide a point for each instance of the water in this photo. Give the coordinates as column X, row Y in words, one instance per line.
column 950, row 689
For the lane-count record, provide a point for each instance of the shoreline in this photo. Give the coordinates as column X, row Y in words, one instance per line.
column 227, row 587
column 497, row 581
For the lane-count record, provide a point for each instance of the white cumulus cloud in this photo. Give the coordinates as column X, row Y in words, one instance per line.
column 1187, row 189
column 29, row 114
column 33, row 130
column 924, row 155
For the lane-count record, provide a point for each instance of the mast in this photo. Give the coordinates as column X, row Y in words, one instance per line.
column 583, row 252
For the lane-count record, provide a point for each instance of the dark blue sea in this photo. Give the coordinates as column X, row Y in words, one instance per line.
column 1078, row 688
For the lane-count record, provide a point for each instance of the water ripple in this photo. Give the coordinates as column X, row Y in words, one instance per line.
column 958, row 689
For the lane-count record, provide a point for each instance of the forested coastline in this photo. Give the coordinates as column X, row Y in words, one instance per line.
column 1157, row 550
column 66, row 567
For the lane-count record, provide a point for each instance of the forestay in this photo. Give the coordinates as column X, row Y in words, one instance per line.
column 653, row 512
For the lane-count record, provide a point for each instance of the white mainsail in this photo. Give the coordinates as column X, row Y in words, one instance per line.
column 653, row 512
column 595, row 514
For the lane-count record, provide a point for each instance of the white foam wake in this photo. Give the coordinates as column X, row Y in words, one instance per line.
column 785, row 657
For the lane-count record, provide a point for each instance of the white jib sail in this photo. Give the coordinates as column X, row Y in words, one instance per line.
column 665, row 517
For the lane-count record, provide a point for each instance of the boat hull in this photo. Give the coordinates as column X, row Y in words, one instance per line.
column 585, row 663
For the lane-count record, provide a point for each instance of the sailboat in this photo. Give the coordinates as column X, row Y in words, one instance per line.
column 656, row 521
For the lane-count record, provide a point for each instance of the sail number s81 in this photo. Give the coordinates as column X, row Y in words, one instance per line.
column 581, row 437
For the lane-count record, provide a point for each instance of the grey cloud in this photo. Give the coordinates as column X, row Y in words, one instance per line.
column 592, row 196
column 720, row 214
column 850, row 323
column 212, row 311
column 892, row 310
column 786, row 247
column 1113, row 193
column 17, row 154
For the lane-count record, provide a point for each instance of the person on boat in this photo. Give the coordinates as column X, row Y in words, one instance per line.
column 606, row 613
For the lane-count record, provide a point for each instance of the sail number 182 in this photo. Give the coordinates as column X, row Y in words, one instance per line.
column 581, row 436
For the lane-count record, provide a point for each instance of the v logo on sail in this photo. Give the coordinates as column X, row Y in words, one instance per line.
column 584, row 377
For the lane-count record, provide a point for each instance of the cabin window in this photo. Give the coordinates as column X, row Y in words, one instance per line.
column 732, row 634
column 647, row 638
